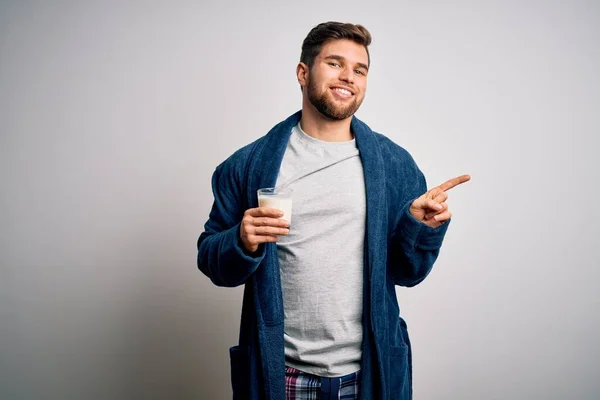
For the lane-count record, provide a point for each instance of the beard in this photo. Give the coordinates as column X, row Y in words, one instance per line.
column 327, row 106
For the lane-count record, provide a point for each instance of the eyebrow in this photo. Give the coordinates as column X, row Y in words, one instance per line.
column 340, row 58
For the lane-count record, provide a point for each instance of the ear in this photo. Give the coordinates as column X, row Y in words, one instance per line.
column 302, row 74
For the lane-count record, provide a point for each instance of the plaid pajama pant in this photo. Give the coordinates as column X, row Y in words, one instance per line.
column 302, row 386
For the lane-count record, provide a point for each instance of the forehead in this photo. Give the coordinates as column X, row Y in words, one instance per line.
column 351, row 51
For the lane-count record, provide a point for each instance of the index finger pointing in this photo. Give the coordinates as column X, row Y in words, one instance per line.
column 449, row 184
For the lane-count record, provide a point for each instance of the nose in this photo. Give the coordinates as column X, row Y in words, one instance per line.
column 347, row 75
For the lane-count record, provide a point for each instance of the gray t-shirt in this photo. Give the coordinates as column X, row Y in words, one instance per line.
column 321, row 260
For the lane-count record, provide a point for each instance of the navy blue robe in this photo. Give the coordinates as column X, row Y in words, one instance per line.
column 399, row 250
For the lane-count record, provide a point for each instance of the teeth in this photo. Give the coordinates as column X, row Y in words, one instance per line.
column 343, row 91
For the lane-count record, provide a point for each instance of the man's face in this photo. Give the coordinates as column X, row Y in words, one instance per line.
column 337, row 82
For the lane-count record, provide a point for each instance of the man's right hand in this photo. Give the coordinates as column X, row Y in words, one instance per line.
column 261, row 225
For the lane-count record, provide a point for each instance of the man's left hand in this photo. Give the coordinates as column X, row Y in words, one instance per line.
column 431, row 208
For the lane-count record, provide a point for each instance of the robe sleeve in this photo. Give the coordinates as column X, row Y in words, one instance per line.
column 220, row 253
column 413, row 246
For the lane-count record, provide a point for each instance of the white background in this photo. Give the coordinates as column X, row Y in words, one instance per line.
column 113, row 117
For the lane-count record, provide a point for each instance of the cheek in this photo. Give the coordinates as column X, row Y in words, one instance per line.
column 327, row 75
column 319, row 82
column 363, row 86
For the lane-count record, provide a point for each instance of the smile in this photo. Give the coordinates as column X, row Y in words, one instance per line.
column 342, row 92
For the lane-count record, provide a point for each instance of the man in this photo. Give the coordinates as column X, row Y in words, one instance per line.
column 320, row 318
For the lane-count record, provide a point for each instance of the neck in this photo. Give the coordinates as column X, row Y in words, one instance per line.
column 316, row 125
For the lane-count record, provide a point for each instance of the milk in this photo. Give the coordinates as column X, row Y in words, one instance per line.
column 282, row 203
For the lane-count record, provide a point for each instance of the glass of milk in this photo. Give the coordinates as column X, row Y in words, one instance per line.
column 280, row 198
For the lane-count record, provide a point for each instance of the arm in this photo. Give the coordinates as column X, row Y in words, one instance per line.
column 220, row 255
column 419, row 231
column 414, row 247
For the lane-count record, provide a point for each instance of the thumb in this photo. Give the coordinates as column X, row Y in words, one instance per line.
column 430, row 204
column 424, row 204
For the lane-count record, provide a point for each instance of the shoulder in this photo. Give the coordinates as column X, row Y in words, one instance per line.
column 389, row 145
column 392, row 152
column 240, row 157
column 406, row 180
column 230, row 174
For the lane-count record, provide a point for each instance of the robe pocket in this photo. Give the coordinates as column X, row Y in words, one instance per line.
column 400, row 385
column 240, row 371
